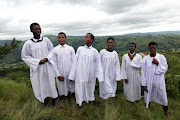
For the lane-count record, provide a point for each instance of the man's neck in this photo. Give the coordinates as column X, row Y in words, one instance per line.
column 37, row 37
column 132, row 52
column 152, row 54
column 62, row 44
column 88, row 44
column 109, row 49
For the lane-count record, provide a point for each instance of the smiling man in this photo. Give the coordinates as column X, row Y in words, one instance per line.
column 34, row 54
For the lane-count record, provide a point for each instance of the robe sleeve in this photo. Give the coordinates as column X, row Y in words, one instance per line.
column 99, row 68
column 52, row 58
column 123, row 68
column 118, row 72
column 143, row 73
column 72, row 73
column 162, row 67
column 26, row 56
column 137, row 62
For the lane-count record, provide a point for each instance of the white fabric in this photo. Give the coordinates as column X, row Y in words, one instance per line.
column 132, row 53
column 152, row 76
column 130, row 71
column 86, row 68
column 111, row 72
column 42, row 77
column 62, row 58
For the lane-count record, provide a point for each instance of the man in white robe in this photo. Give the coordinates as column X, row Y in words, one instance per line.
column 34, row 54
column 62, row 57
column 152, row 78
column 86, row 68
column 111, row 70
column 131, row 63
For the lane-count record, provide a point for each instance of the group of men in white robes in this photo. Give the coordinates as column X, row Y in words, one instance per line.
column 78, row 72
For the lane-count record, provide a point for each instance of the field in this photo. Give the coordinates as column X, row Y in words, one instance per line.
column 18, row 103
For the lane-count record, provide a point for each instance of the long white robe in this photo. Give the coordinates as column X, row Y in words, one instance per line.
column 111, row 72
column 130, row 71
column 42, row 77
column 152, row 76
column 86, row 68
column 62, row 58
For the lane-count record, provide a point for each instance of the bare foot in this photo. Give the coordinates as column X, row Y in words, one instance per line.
column 167, row 114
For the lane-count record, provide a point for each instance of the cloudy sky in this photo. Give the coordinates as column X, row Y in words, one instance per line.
column 77, row 17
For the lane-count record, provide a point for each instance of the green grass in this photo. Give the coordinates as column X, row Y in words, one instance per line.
column 17, row 102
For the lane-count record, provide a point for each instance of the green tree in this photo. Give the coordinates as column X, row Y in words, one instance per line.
column 6, row 48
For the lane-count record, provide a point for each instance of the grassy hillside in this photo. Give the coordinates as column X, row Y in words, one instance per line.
column 17, row 102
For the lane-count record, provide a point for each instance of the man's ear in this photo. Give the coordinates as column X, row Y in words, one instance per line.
column 92, row 40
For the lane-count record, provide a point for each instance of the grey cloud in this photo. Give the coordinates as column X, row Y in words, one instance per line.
column 4, row 24
column 74, row 28
column 107, row 6
column 73, row 2
column 118, row 6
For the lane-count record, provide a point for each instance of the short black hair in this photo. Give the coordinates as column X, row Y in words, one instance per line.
column 92, row 36
column 33, row 24
column 133, row 44
column 152, row 43
column 110, row 38
column 62, row 33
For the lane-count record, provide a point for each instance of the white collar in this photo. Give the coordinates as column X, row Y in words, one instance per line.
column 62, row 46
column 155, row 56
column 37, row 40
column 88, row 47
column 132, row 53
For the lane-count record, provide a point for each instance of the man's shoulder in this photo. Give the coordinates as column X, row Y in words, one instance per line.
column 94, row 49
column 126, row 54
column 70, row 47
column 46, row 39
column 161, row 55
column 29, row 41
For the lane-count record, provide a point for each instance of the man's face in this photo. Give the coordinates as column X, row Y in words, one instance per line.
column 36, row 30
column 132, row 47
column 61, row 39
column 152, row 49
column 110, row 43
column 87, row 39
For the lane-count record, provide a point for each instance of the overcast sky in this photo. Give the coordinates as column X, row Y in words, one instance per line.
column 77, row 17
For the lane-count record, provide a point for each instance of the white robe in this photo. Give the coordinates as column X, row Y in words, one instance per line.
column 152, row 76
column 130, row 71
column 42, row 77
column 62, row 58
column 111, row 72
column 86, row 68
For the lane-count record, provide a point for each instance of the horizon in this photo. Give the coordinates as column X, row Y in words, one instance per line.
column 101, row 35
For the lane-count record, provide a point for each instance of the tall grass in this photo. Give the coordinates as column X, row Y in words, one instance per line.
column 17, row 102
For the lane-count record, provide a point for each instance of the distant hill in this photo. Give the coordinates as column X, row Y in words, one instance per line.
column 164, row 41
column 153, row 33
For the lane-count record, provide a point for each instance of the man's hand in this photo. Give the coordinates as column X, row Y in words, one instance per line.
column 43, row 61
column 61, row 78
column 126, row 81
column 155, row 61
